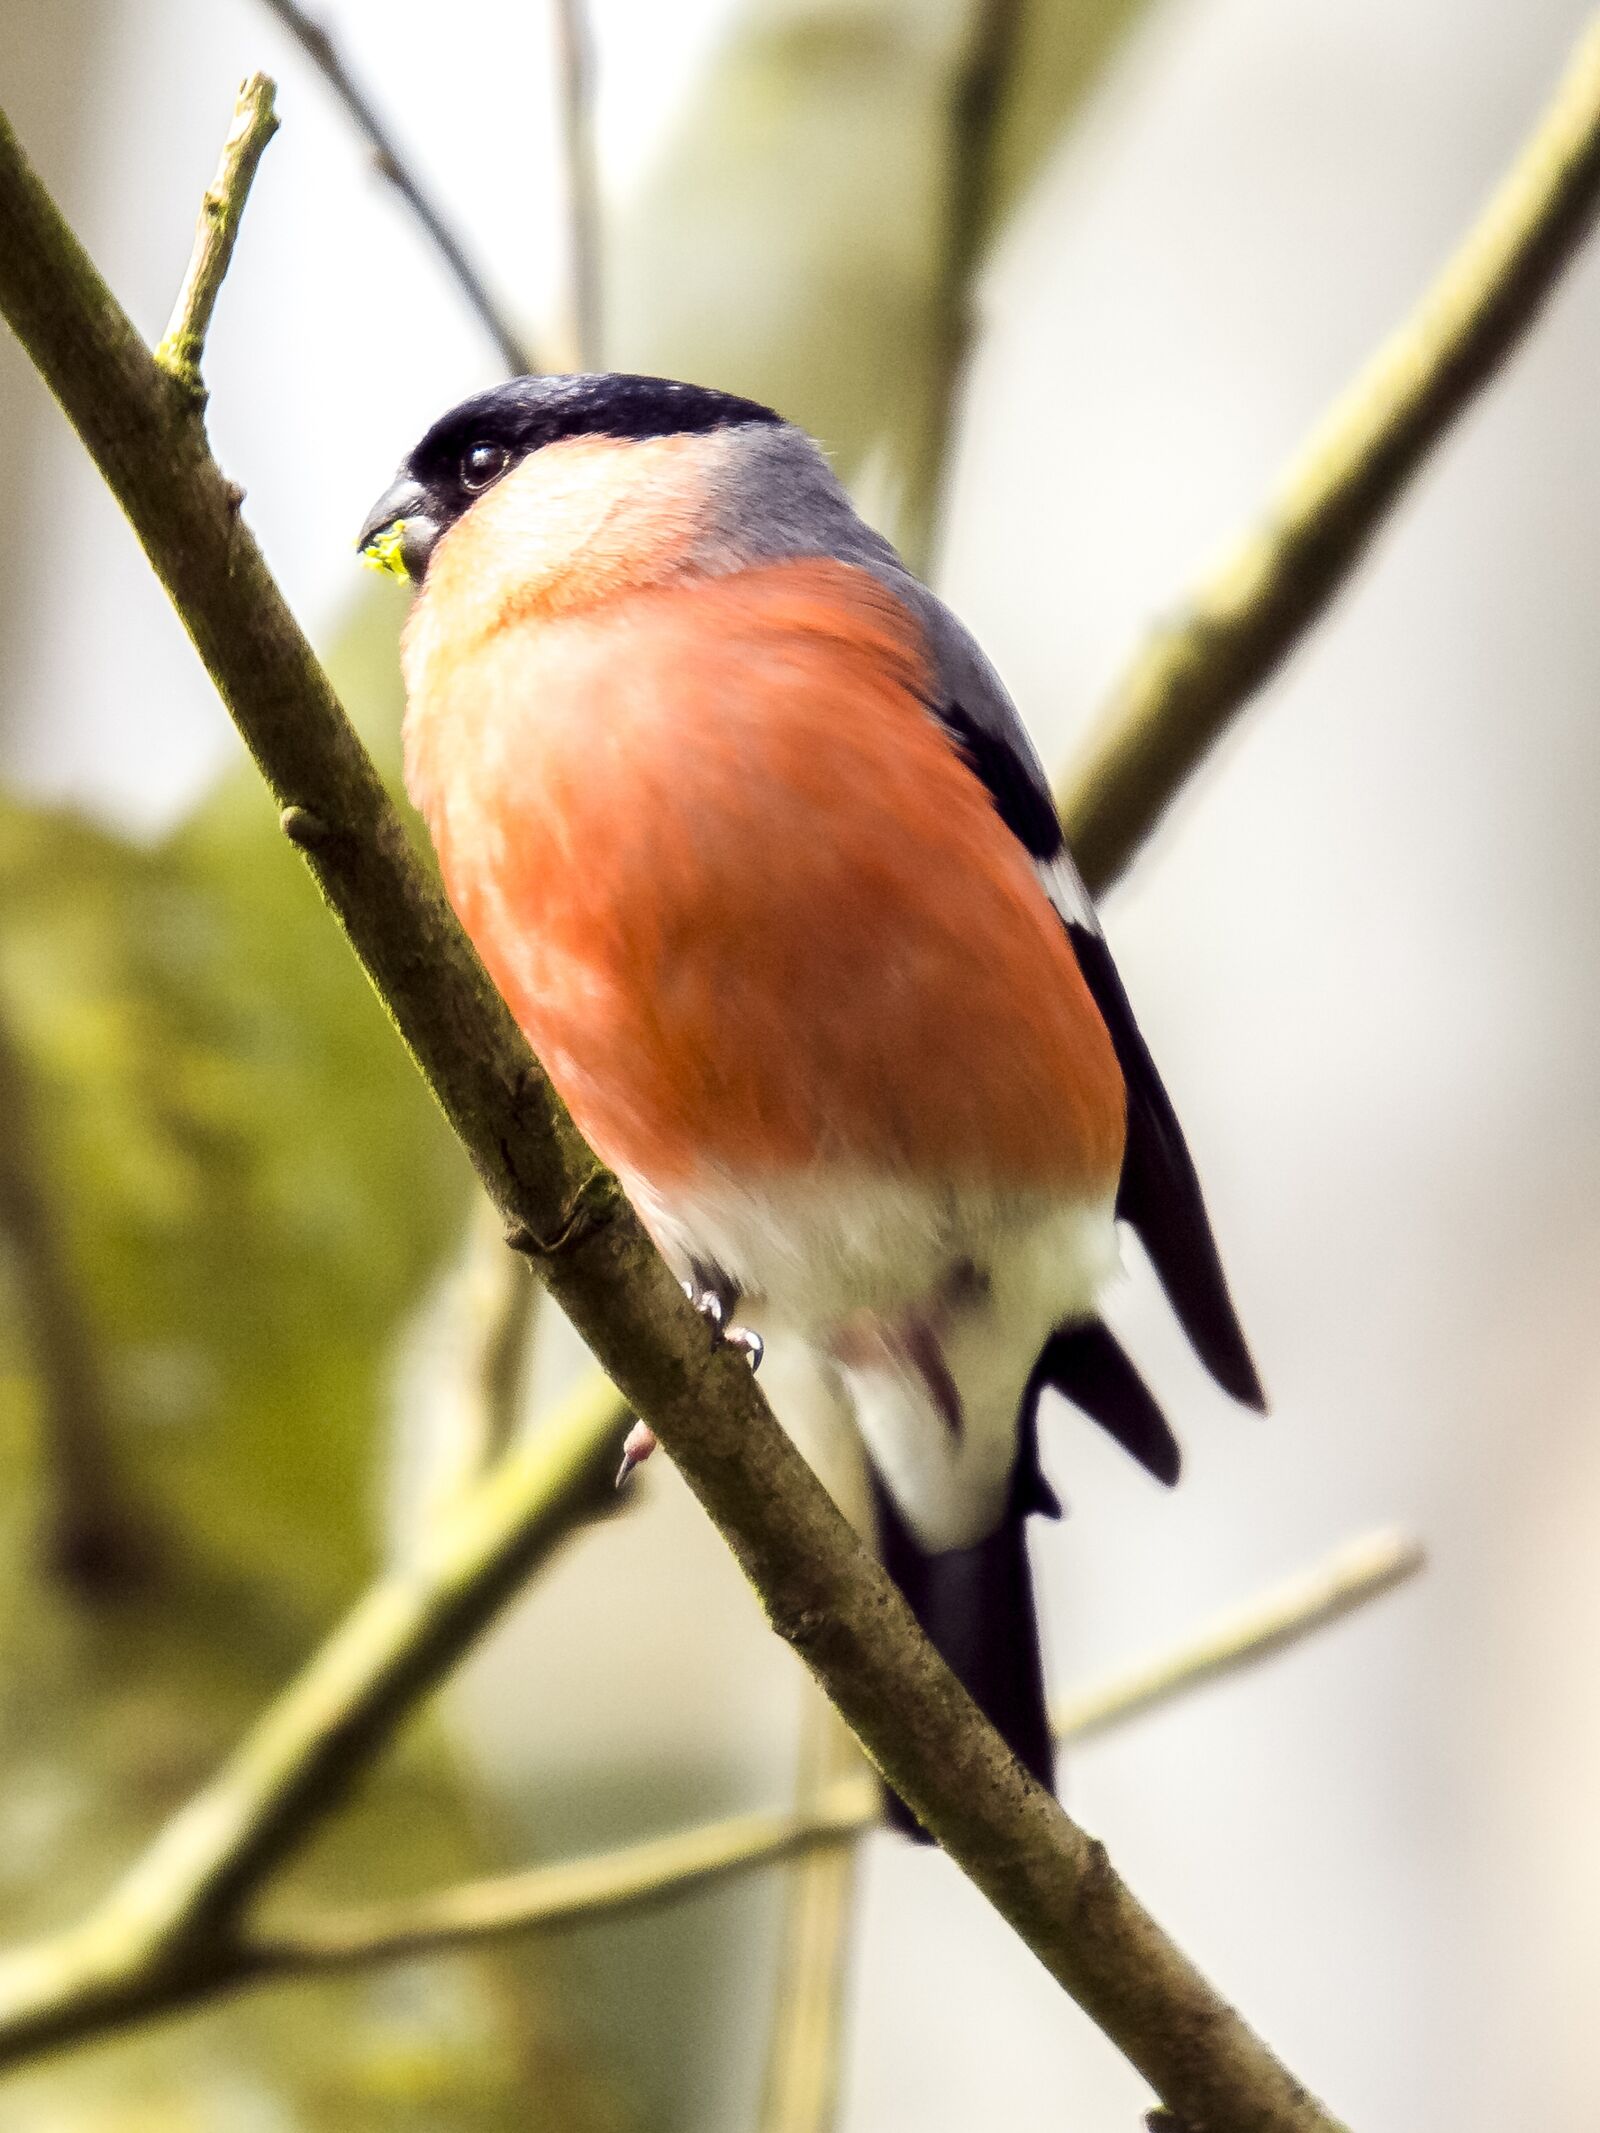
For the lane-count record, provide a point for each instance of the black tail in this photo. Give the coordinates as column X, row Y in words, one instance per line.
column 976, row 1607
column 1086, row 1364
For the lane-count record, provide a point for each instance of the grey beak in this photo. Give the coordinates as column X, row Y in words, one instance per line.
column 405, row 503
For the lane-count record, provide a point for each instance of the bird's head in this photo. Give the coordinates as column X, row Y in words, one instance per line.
column 560, row 472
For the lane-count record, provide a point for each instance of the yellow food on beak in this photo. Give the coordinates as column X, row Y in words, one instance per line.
column 382, row 552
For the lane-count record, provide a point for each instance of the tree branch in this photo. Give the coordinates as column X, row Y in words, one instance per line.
column 166, row 1934
column 976, row 106
column 1197, row 672
column 809, row 1987
column 320, row 48
column 575, row 71
column 847, row 1807
column 105, row 1974
column 1352, row 1578
column 821, row 1589
column 183, row 344
column 800, row 2081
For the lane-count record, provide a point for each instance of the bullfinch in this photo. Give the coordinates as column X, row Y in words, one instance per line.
column 756, row 846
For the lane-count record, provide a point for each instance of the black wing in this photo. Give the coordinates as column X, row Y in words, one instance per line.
column 1159, row 1194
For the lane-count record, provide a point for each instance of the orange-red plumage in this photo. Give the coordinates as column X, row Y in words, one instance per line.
column 751, row 908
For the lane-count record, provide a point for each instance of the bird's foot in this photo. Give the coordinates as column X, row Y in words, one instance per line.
column 637, row 1446
column 640, row 1441
column 713, row 1306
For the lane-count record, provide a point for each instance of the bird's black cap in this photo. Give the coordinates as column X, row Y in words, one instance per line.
column 470, row 448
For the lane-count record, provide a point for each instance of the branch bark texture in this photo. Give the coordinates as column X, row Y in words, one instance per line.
column 821, row 1589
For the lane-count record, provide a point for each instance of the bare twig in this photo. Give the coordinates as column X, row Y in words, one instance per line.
column 975, row 111
column 320, row 48
column 1274, row 1622
column 1198, row 670
column 254, row 123
column 642, row 1875
column 800, row 2087
column 96, row 1539
column 805, row 2040
column 821, row 1589
column 167, row 1934
column 1354, row 1577
column 575, row 82
column 493, row 1302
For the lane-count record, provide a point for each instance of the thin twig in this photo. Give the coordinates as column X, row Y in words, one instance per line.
column 182, row 346
column 1353, row 1577
column 85, row 1981
column 822, row 1590
column 1274, row 1622
column 800, row 2083
column 976, row 108
column 494, row 1303
column 324, row 54
column 644, row 1874
column 805, row 2043
column 1198, row 670
column 95, row 1538
column 636, row 1878
column 575, row 85
column 167, row 1932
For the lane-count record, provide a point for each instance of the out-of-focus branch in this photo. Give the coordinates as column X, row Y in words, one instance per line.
column 1197, row 673
column 1350, row 1579
column 183, row 344
column 500, row 1307
column 848, row 1806
column 319, row 47
column 1199, row 669
column 800, row 2084
column 821, row 1589
column 801, row 2078
column 575, row 87
column 634, row 1878
column 810, row 1988
column 976, row 104
column 95, row 1538
column 167, row 1933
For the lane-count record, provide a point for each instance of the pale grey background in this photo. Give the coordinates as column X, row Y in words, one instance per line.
column 1364, row 952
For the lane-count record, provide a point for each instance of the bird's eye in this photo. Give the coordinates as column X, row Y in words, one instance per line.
column 482, row 464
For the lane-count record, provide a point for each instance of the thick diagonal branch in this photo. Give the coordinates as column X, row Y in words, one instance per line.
column 821, row 1589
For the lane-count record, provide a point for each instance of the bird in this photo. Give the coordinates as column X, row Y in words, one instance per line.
column 757, row 848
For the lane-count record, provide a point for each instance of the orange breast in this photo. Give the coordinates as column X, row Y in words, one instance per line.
column 753, row 912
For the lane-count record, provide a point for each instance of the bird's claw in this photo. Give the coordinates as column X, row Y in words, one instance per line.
column 713, row 1308
column 746, row 1342
column 640, row 1441
column 637, row 1446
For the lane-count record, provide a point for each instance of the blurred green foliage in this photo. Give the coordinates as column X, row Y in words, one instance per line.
column 254, row 1188
column 256, row 1193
